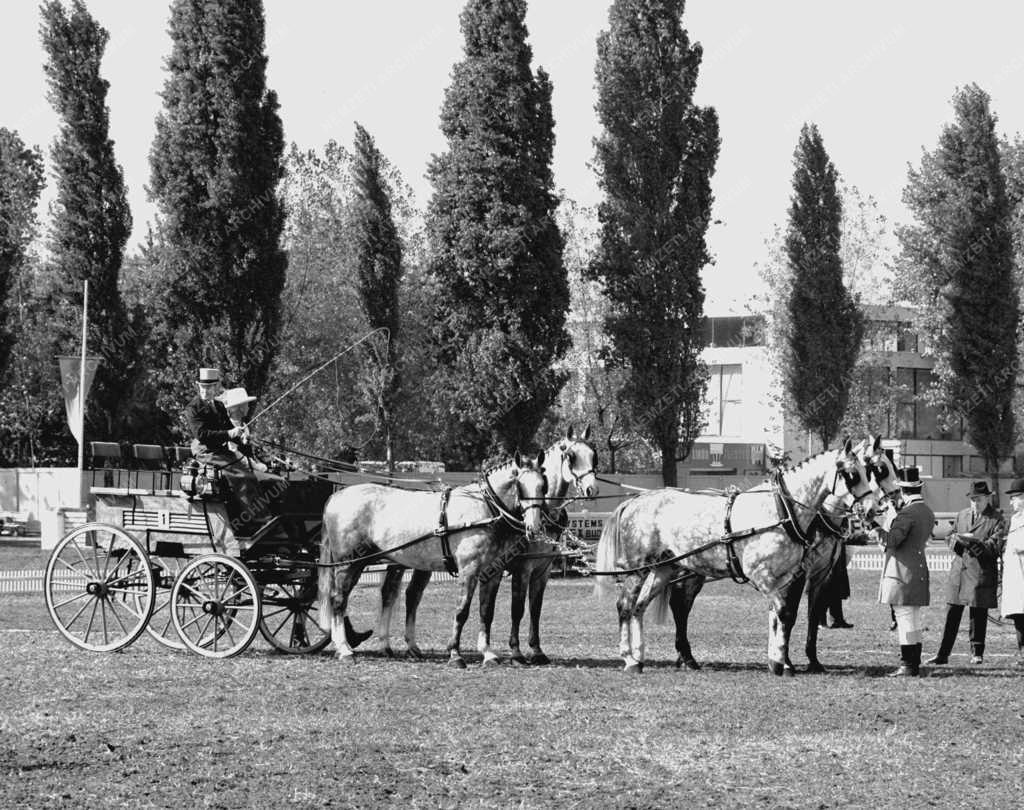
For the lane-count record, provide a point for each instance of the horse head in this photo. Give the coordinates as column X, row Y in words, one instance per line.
column 520, row 487
column 880, row 468
column 576, row 464
column 852, row 471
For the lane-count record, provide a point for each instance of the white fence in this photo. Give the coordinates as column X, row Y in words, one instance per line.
column 31, row 581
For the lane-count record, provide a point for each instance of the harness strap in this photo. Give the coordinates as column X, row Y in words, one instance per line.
column 732, row 558
column 442, row 531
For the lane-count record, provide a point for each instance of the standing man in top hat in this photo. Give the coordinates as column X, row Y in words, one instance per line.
column 905, row 584
column 206, row 416
column 977, row 539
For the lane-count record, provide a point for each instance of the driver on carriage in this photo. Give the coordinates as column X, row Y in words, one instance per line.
column 221, row 438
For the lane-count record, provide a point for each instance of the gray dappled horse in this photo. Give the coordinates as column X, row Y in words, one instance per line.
column 569, row 462
column 761, row 534
column 814, row 573
column 370, row 522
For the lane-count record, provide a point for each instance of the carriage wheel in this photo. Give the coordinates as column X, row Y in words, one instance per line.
column 161, row 623
column 289, row 618
column 215, row 606
column 99, row 587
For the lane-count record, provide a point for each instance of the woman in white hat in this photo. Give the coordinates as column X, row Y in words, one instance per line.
column 1012, row 600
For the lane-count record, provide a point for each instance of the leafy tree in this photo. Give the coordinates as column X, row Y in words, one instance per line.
column 216, row 163
column 957, row 267
column 21, row 182
column 825, row 323
column 867, row 274
column 655, row 158
column 322, row 315
column 495, row 246
column 378, row 264
column 91, row 221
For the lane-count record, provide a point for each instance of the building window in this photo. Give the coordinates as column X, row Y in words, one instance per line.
column 915, row 418
column 906, row 339
column 952, row 466
column 734, row 331
column 724, row 400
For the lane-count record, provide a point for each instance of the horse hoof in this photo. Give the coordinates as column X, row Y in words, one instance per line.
column 518, row 660
column 539, row 660
column 388, row 652
column 345, row 659
column 456, row 663
column 815, row 668
column 687, row 663
column 788, row 671
column 635, row 668
column 415, row 652
column 355, row 638
column 775, row 667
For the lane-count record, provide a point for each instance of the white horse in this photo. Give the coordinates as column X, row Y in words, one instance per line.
column 470, row 526
column 761, row 535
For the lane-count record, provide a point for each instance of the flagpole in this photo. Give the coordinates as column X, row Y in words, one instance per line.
column 81, row 388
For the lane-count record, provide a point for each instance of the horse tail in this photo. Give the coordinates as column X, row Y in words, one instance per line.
column 607, row 553
column 660, row 605
column 325, row 580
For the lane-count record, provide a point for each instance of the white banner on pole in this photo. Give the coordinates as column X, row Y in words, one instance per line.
column 70, row 376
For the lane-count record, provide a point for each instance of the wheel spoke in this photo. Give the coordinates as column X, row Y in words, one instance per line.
column 198, row 616
column 75, row 570
column 115, row 614
column 68, row 601
column 81, row 610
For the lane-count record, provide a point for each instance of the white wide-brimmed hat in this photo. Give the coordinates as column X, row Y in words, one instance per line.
column 235, row 396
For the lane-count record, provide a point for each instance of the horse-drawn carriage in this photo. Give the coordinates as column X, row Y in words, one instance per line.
column 166, row 556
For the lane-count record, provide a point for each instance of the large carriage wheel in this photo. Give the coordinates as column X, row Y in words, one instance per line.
column 99, row 587
column 289, row 618
column 215, row 606
column 161, row 623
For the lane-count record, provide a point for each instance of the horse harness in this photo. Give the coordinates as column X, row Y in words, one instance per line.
column 787, row 521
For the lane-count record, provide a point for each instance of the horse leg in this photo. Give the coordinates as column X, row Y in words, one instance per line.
column 388, row 596
column 790, row 601
column 629, row 589
column 488, row 597
column 818, row 592
column 413, row 595
column 344, row 581
column 538, row 583
column 653, row 585
column 518, row 608
column 468, row 587
column 780, row 622
column 681, row 597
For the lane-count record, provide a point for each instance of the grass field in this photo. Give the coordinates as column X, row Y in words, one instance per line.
column 150, row 727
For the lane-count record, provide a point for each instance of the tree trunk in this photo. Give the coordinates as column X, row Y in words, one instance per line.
column 669, row 467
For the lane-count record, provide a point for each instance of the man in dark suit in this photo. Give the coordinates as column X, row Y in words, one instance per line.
column 905, row 584
column 206, row 416
column 977, row 541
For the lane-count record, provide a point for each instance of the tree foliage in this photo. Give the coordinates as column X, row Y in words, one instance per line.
column 825, row 324
column 378, row 265
column 91, row 221
column 957, row 267
column 496, row 251
column 21, row 182
column 216, row 163
column 655, row 157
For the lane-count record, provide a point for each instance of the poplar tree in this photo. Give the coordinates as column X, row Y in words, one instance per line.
column 91, row 220
column 655, row 157
column 957, row 267
column 216, row 162
column 824, row 324
column 496, row 250
column 21, row 182
column 378, row 265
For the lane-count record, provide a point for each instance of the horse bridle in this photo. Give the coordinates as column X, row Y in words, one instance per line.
column 567, row 459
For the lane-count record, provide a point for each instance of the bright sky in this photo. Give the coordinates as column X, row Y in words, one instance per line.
column 876, row 76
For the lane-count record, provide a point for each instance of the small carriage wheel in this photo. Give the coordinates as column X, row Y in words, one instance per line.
column 99, row 587
column 215, row 606
column 289, row 618
column 161, row 623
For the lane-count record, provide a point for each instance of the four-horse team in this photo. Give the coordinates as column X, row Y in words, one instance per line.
column 658, row 547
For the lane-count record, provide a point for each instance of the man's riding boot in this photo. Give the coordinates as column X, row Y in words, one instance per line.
column 910, row 661
column 977, row 653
